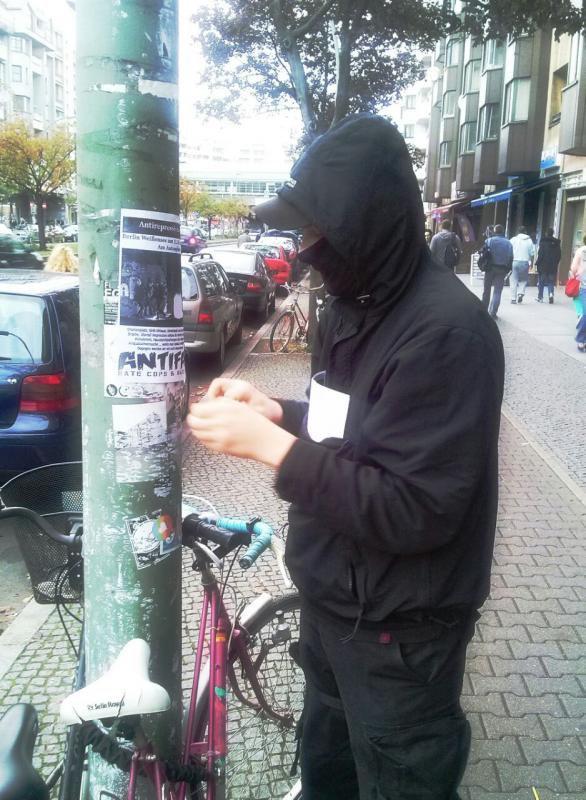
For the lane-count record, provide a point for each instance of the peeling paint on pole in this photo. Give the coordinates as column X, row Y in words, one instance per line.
column 127, row 158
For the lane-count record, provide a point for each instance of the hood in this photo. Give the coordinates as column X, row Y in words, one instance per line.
column 356, row 185
column 522, row 236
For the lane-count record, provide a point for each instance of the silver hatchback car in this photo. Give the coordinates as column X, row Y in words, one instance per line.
column 212, row 308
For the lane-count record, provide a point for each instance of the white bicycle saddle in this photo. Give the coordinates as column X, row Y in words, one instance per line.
column 123, row 691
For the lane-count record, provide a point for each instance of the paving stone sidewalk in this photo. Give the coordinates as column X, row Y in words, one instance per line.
column 525, row 688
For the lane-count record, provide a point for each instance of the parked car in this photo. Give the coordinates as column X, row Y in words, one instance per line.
column 212, row 308
column 27, row 233
column 14, row 254
column 277, row 234
column 288, row 246
column 275, row 259
column 40, row 420
column 191, row 242
column 71, row 233
column 248, row 267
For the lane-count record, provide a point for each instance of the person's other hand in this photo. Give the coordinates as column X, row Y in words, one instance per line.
column 245, row 392
column 235, row 428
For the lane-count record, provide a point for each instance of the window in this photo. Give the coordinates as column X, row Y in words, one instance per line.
column 488, row 125
column 574, row 65
column 467, row 137
column 2, row 72
column 410, row 101
column 517, row 100
column 445, row 154
column 25, row 317
column 59, row 41
column 208, row 279
column 3, row 114
column 58, row 93
column 17, row 44
column 494, row 54
column 452, row 52
column 472, row 76
column 449, row 104
column 16, row 73
column 409, row 132
column 58, row 68
column 21, row 104
column 559, row 80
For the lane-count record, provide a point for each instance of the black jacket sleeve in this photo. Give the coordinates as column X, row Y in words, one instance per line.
column 423, row 447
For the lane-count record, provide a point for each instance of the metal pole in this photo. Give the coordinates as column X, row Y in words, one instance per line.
column 132, row 351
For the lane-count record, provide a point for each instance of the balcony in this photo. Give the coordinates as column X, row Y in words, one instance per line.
column 572, row 138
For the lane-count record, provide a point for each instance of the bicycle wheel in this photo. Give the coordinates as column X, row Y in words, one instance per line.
column 261, row 750
column 282, row 332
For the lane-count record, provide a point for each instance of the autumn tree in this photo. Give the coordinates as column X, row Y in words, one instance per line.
column 38, row 166
column 188, row 194
column 334, row 57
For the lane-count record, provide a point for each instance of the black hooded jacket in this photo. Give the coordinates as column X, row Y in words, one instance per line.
column 397, row 517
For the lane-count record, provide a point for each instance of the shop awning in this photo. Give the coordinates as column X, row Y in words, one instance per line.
column 496, row 197
column 439, row 211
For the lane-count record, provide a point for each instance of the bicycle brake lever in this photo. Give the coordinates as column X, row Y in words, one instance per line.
column 278, row 549
column 207, row 552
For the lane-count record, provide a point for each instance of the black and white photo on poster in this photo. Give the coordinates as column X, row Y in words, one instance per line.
column 141, row 442
column 150, row 289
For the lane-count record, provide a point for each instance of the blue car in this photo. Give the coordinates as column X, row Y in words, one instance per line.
column 40, row 408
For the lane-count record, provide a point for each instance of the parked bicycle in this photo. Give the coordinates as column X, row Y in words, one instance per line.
column 293, row 324
column 247, row 693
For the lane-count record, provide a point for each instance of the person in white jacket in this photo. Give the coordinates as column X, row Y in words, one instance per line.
column 523, row 255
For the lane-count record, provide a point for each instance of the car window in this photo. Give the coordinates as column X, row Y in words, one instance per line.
column 25, row 332
column 67, row 307
column 261, row 267
column 189, row 290
column 225, row 287
column 236, row 261
column 10, row 244
column 208, row 278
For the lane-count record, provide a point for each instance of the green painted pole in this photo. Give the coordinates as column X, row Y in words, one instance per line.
column 132, row 353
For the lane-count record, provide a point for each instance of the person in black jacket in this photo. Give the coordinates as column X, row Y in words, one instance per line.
column 548, row 258
column 390, row 469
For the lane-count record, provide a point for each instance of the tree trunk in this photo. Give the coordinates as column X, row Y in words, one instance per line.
column 41, row 221
column 343, row 63
column 298, row 79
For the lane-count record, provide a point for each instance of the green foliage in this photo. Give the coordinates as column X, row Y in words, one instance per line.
column 38, row 166
column 334, row 57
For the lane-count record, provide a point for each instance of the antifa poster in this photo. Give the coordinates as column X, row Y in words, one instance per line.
column 143, row 331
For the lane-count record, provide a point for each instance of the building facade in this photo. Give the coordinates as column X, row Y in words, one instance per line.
column 508, row 137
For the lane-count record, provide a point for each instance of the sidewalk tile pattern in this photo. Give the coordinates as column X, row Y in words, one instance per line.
column 525, row 688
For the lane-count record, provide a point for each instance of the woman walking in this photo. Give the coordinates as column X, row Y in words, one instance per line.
column 578, row 270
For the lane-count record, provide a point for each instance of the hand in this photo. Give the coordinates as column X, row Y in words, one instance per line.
column 235, row 428
column 245, row 392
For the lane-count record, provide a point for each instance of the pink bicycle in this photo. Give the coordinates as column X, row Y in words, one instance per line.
column 240, row 727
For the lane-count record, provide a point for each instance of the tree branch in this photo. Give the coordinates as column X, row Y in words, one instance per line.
column 310, row 22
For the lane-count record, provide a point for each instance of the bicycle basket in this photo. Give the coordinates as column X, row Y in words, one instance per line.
column 56, row 570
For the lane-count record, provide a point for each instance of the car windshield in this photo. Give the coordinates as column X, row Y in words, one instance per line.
column 24, row 329
column 233, row 261
column 264, row 250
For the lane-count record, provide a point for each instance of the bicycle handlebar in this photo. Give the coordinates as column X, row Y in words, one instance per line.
column 68, row 539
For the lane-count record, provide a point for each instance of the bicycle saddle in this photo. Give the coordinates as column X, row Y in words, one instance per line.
column 18, row 778
column 124, row 690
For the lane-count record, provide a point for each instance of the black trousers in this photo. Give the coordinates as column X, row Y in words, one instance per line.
column 382, row 719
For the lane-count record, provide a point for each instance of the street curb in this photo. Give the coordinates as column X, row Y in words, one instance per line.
column 552, row 462
column 19, row 633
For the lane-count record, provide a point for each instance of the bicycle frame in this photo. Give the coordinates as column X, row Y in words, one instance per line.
column 226, row 645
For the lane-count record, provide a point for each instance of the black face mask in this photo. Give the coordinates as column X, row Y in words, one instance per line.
column 339, row 279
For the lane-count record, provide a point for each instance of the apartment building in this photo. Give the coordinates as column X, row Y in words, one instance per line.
column 36, row 64
column 508, row 137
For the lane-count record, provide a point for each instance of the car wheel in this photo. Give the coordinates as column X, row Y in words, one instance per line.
column 220, row 355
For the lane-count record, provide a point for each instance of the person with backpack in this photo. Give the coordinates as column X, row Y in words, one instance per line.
column 446, row 246
column 496, row 259
column 548, row 258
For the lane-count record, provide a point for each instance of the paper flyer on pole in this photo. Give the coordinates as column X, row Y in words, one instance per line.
column 143, row 331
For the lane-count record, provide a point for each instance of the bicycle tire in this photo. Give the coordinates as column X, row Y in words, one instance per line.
column 249, row 777
column 282, row 331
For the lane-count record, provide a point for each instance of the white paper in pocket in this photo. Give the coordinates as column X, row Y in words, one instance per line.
column 328, row 410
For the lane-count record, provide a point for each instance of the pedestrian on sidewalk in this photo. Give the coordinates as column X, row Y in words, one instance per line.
column 578, row 270
column 523, row 255
column 244, row 237
column 446, row 246
column 548, row 258
column 498, row 254
column 390, row 469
